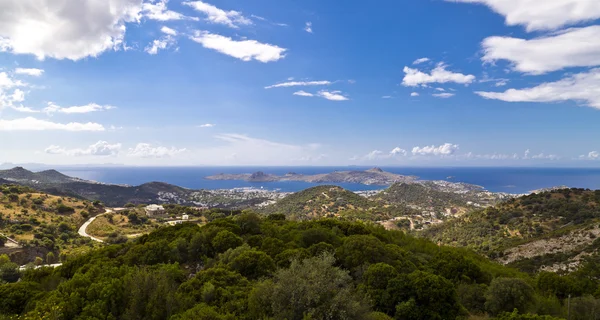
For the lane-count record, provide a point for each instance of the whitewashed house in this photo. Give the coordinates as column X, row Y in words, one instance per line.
column 154, row 210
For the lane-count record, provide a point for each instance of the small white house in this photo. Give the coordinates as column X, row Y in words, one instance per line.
column 154, row 210
column 185, row 217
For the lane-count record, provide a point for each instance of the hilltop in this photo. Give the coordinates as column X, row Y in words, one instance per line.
column 550, row 230
column 318, row 202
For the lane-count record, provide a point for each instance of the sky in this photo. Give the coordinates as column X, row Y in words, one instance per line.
column 259, row 82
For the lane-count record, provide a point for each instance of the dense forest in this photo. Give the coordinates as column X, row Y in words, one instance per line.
column 252, row 267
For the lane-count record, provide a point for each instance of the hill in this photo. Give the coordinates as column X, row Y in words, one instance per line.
column 543, row 229
column 321, row 201
column 246, row 267
column 41, row 223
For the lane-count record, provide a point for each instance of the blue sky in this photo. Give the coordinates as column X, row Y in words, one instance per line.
column 231, row 82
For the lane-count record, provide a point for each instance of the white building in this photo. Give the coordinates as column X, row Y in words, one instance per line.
column 185, row 217
column 154, row 210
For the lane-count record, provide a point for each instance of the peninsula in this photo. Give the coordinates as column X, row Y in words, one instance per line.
column 374, row 176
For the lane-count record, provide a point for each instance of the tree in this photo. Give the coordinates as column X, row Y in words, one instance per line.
column 310, row 289
column 253, row 264
column 507, row 294
column 3, row 240
column 15, row 296
column 431, row 297
column 225, row 240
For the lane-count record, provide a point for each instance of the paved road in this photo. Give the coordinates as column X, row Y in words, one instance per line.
column 87, row 223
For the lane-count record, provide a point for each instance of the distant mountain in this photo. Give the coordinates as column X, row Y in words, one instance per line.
column 112, row 195
column 548, row 230
column 374, row 176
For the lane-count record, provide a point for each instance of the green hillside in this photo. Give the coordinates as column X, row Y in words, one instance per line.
column 247, row 267
column 556, row 217
column 334, row 201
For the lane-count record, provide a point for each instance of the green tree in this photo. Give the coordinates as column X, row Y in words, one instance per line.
column 225, row 240
column 253, row 264
column 310, row 289
column 14, row 297
column 507, row 294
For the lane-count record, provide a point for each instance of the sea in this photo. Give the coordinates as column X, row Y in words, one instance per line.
column 510, row 180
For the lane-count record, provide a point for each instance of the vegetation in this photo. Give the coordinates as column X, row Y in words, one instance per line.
column 568, row 213
column 39, row 220
column 248, row 267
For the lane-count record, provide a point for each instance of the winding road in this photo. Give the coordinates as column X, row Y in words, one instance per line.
column 83, row 228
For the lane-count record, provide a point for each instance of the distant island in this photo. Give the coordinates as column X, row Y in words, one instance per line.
column 374, row 176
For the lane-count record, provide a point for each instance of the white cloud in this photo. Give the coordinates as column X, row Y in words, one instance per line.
column 100, row 148
column 65, row 30
column 333, row 95
column 33, row 124
column 245, row 50
column 439, row 74
column 7, row 99
column 375, row 154
column 493, row 156
column 543, row 14
column 146, row 150
column 92, row 107
column 168, row 31
column 569, row 48
column 160, row 44
column 545, row 156
column 232, row 19
column 583, row 87
column 29, row 71
column 7, row 82
column 443, row 150
column 593, row 155
column 303, row 93
column 420, row 60
column 299, row 84
column 440, row 89
column 24, row 109
column 386, row 97
column 157, row 10
column 308, row 27
column 444, row 95
column 207, row 125
column 398, row 151
column 414, row 94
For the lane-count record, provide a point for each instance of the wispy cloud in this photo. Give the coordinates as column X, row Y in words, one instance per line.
column 147, row 150
column 157, row 10
column 444, row 95
column 245, row 50
column 29, row 71
column 543, row 15
column 332, row 95
column 308, row 27
column 303, row 93
column 299, row 84
column 100, row 148
column 207, row 125
column 420, row 60
column 92, row 107
column 232, row 19
column 579, row 87
column 569, row 48
column 34, row 124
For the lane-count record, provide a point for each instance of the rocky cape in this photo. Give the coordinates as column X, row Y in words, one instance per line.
column 374, row 176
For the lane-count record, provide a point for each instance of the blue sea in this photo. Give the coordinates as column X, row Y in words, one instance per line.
column 511, row 180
